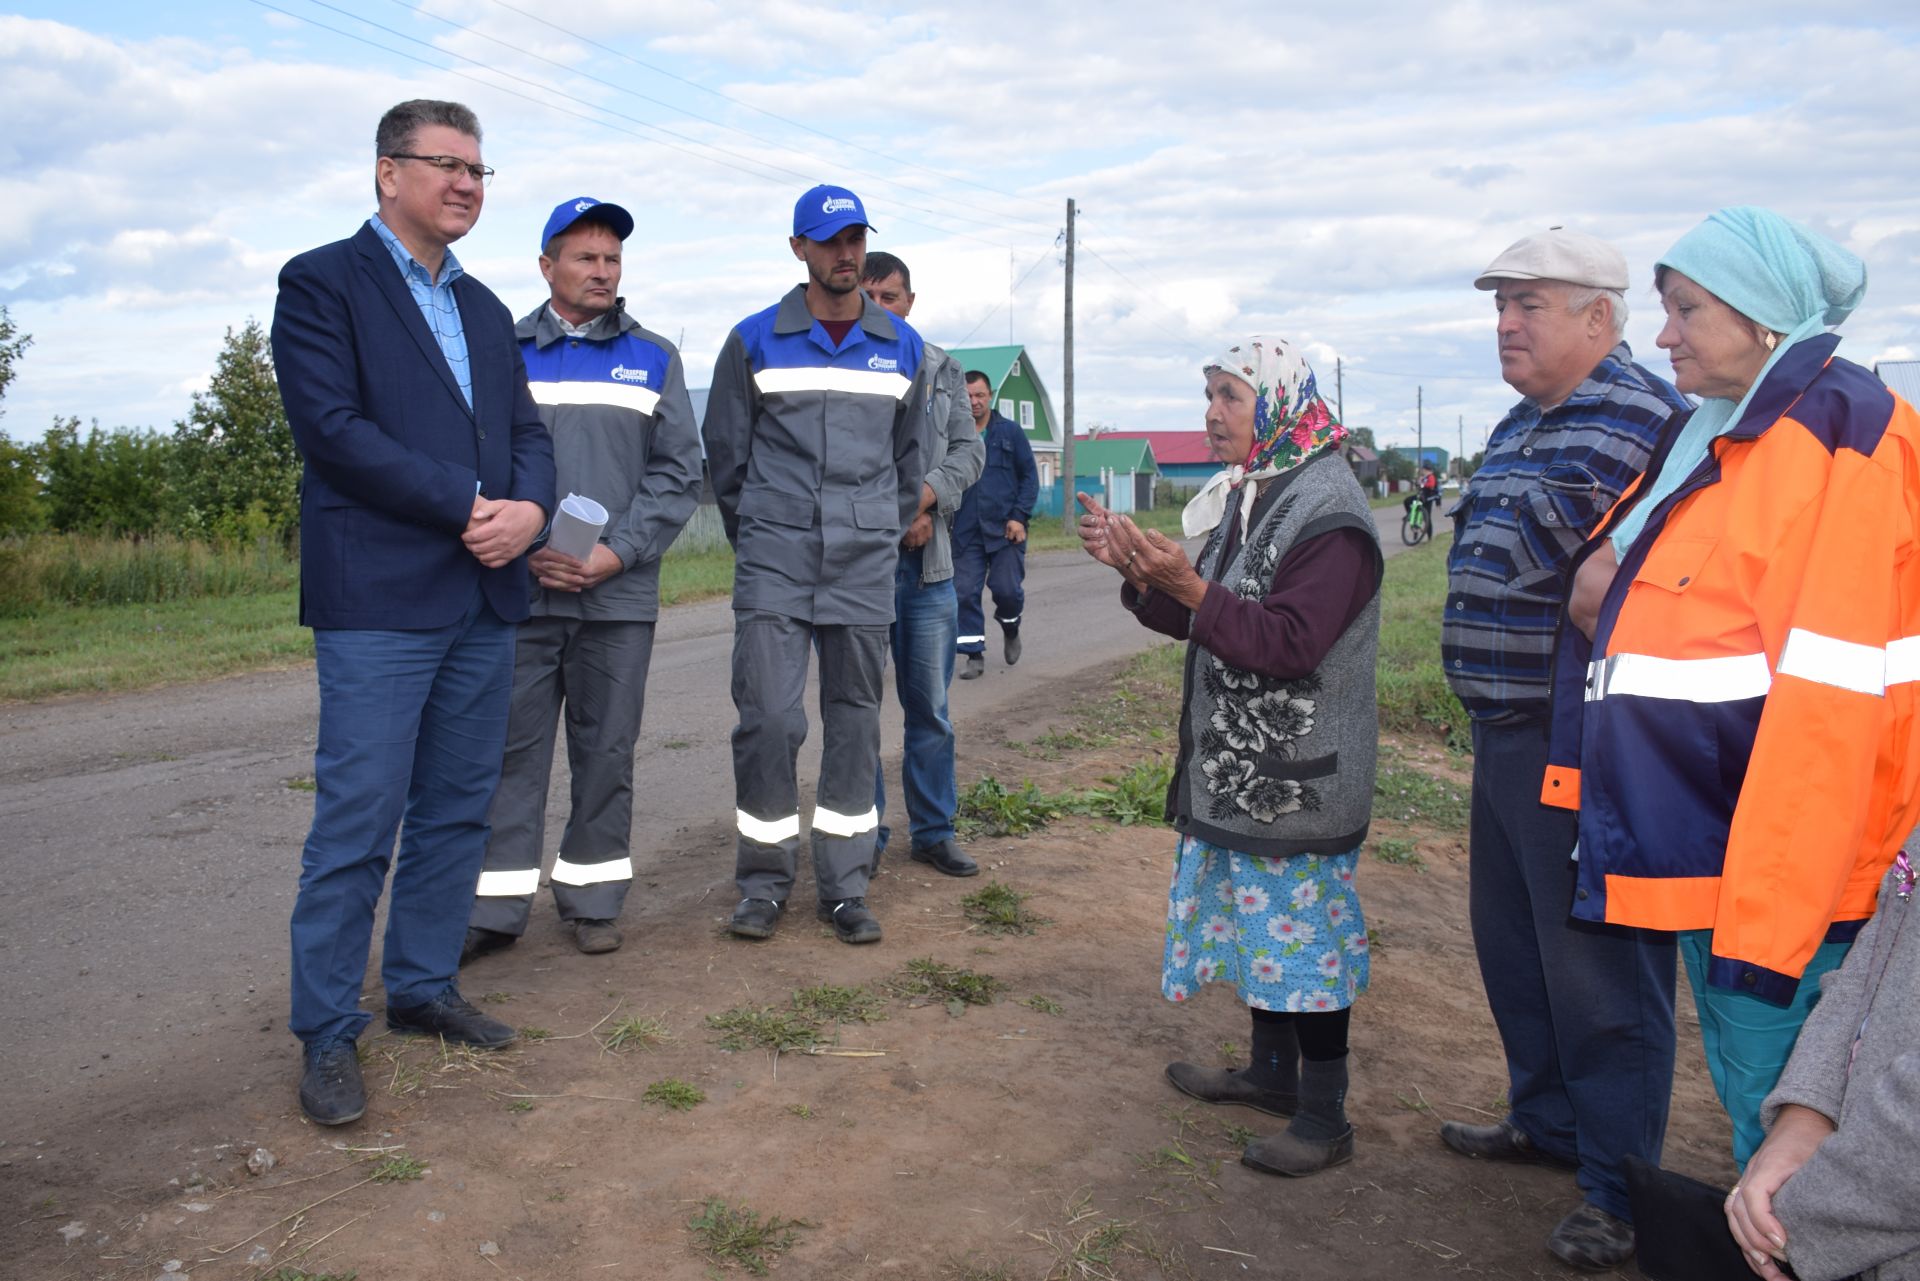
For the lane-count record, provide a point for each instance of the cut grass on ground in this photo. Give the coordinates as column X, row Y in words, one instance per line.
column 1000, row 909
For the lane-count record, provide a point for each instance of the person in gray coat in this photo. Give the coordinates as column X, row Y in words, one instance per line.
column 818, row 435
column 613, row 395
column 1833, row 1188
column 926, row 608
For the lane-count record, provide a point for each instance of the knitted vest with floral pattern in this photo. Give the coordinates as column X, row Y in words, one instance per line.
column 1275, row 767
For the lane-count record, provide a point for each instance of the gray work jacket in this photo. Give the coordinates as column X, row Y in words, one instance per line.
column 959, row 453
column 817, row 454
column 616, row 402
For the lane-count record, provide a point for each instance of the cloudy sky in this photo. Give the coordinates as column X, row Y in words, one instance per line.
column 1336, row 177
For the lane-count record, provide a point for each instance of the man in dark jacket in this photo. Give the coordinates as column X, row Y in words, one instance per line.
column 990, row 532
column 817, row 439
column 613, row 395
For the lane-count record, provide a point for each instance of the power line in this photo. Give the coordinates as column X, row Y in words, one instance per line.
column 1140, row 290
column 1013, row 289
column 658, row 102
column 771, row 115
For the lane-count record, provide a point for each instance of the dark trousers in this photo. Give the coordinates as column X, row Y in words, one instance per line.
column 1585, row 1011
column 597, row 672
column 770, row 655
column 411, row 728
column 1002, row 571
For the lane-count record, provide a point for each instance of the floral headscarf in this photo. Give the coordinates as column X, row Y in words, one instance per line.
column 1291, row 425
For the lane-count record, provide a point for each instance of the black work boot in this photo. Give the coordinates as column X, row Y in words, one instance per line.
column 450, row 1017
column 1011, row 647
column 976, row 667
column 331, row 1092
column 851, row 921
column 1319, row 1136
column 755, row 918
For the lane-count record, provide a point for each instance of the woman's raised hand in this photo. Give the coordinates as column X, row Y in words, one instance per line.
column 1095, row 530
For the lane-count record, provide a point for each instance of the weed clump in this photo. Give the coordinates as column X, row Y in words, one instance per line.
column 398, row 1169
column 635, row 1033
column 1001, row 909
column 675, row 1095
column 989, row 808
column 741, row 1237
column 765, row 1027
column 828, row 1003
column 1400, row 853
column 928, row 979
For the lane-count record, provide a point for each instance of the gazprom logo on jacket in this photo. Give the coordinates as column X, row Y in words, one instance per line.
column 621, row 374
column 838, row 204
column 885, row 364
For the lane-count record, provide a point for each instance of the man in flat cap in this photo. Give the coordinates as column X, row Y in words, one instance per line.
column 818, row 437
column 1585, row 1012
column 613, row 395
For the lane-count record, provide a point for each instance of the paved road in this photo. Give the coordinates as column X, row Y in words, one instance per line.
column 148, row 841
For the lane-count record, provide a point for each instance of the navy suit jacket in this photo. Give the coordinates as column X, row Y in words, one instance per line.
column 394, row 456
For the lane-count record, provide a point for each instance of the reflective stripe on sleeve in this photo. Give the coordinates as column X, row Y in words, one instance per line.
column 1829, row 661
column 1691, row 680
column 1903, row 661
column 638, row 399
column 516, row 884
column 768, row 831
column 836, row 824
column 858, row 382
column 613, row 869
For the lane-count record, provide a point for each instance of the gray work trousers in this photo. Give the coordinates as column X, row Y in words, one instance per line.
column 770, row 653
column 597, row 671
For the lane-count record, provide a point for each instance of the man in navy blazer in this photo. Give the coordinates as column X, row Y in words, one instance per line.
column 428, row 473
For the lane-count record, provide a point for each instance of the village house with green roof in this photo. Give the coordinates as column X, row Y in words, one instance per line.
column 1020, row 396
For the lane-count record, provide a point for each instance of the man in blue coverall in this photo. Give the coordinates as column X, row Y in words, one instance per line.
column 990, row 532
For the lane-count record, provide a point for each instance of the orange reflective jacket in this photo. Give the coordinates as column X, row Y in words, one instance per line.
column 1740, row 736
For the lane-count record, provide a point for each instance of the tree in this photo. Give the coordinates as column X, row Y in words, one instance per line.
column 237, row 472
column 1362, row 436
column 13, row 345
column 21, row 511
column 1397, row 464
column 107, row 482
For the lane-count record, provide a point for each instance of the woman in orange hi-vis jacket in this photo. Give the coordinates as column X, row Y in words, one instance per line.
column 1734, row 705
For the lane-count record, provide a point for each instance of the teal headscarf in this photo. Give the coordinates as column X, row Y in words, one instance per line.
column 1771, row 270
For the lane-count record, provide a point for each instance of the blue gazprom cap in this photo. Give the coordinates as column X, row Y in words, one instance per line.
column 824, row 211
column 568, row 212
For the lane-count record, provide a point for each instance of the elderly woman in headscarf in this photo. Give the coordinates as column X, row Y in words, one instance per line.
column 1273, row 787
column 1734, row 704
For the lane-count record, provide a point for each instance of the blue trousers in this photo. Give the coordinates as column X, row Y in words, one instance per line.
column 924, row 626
column 1002, row 571
column 1747, row 1040
column 1585, row 1011
column 412, row 724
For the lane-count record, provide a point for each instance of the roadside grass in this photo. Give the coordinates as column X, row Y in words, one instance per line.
column 988, row 807
column 830, row 1003
column 1000, row 909
column 739, row 1236
column 689, row 576
column 674, row 1094
column 1412, row 688
column 635, row 1032
column 398, row 1169
column 934, row 981
column 1400, row 853
column 1412, row 795
column 807, row 1020
column 1050, row 534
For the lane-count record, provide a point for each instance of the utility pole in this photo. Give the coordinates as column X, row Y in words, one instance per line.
column 1339, row 392
column 1460, row 464
column 1009, row 297
column 1066, row 385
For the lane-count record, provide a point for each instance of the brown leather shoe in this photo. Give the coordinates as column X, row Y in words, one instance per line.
column 1591, row 1239
column 1219, row 1085
column 1295, row 1157
column 1501, row 1141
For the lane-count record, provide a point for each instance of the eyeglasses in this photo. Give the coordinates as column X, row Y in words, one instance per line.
column 450, row 167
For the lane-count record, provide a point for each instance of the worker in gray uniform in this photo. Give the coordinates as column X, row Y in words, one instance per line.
column 818, row 436
column 613, row 395
column 926, row 611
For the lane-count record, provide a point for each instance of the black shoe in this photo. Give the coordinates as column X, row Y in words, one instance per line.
column 331, row 1092
column 1011, row 648
column 597, row 936
column 851, row 921
column 1218, row 1085
column 755, row 918
column 1289, row 1154
column 1502, row 1141
column 482, row 941
column 976, row 667
column 1592, row 1239
column 450, row 1017
column 946, row 858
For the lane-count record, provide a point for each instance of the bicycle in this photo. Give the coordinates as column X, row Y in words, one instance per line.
column 1416, row 525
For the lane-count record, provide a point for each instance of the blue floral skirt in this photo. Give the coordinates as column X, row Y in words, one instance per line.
column 1286, row 932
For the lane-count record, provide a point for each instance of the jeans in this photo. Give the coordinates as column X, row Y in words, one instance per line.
column 925, row 620
column 412, row 724
column 1585, row 1011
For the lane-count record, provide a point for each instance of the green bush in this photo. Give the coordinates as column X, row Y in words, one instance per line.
column 45, row 571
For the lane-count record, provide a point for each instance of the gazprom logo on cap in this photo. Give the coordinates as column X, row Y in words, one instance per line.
column 838, row 204
column 884, row 365
column 621, row 374
column 581, row 206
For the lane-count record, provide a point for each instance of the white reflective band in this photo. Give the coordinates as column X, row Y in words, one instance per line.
column 970, row 640
column 1007, row 622
column 1903, row 661
column 1691, row 680
column 1841, row 664
column 768, row 832
column 585, row 393
column 858, row 382
column 835, row 824
column 614, row 869
column 519, row 884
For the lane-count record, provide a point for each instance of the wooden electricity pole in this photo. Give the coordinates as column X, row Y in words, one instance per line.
column 1066, row 385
